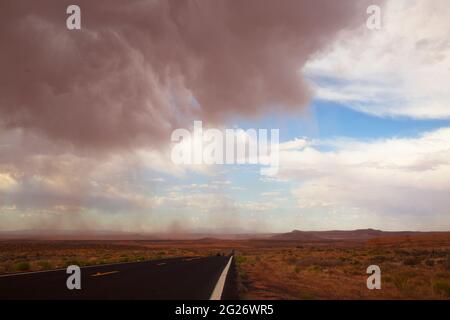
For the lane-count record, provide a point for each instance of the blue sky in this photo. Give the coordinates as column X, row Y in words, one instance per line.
column 324, row 120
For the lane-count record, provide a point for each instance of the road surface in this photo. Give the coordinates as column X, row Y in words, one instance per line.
column 175, row 278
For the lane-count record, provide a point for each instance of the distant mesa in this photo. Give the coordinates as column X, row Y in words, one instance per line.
column 360, row 234
column 206, row 235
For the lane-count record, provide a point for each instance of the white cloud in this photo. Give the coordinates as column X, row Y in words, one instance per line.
column 270, row 194
column 401, row 70
column 253, row 206
column 402, row 180
column 7, row 182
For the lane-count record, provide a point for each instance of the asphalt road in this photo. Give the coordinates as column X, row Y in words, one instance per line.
column 176, row 278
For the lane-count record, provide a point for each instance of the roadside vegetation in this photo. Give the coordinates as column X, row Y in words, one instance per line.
column 411, row 267
column 418, row 269
column 22, row 256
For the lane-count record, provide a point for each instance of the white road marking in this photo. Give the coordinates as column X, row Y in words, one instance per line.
column 190, row 259
column 99, row 274
column 218, row 290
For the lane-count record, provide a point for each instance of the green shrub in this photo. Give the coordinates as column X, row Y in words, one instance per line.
column 401, row 281
column 240, row 259
column 74, row 262
column 306, row 296
column 315, row 268
column 22, row 266
column 45, row 265
column 442, row 286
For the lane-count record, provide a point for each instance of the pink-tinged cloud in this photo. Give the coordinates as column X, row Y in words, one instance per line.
column 139, row 69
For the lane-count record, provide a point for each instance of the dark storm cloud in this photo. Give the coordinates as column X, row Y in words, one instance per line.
column 139, row 69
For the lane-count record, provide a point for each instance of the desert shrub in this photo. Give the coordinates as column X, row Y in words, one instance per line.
column 353, row 271
column 442, row 287
column 355, row 262
column 379, row 259
column 331, row 262
column 440, row 253
column 74, row 262
column 412, row 261
column 297, row 269
column 291, row 260
column 447, row 263
column 45, row 265
column 363, row 254
column 240, row 259
column 429, row 262
column 306, row 296
column 401, row 281
column 315, row 268
column 402, row 252
column 243, row 282
column 309, row 261
column 22, row 266
column 352, row 253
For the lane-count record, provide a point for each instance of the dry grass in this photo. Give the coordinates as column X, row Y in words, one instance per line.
column 21, row 256
column 412, row 267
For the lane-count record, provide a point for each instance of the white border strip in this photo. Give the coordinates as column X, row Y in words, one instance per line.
column 218, row 290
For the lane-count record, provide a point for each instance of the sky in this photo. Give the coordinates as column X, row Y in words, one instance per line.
column 363, row 115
